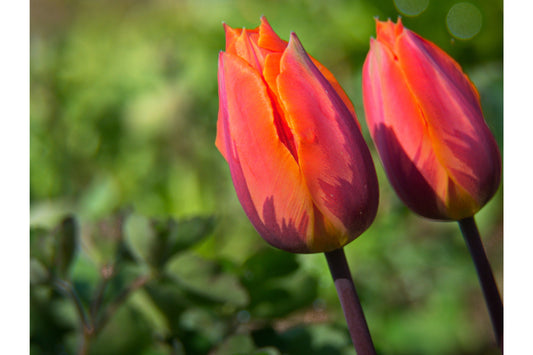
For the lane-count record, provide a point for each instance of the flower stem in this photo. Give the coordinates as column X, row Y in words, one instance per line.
column 353, row 312
column 138, row 283
column 70, row 291
column 486, row 278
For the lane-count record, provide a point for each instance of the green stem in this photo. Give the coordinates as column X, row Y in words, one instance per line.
column 84, row 344
column 486, row 278
column 353, row 312
column 120, row 299
column 107, row 272
column 86, row 324
column 66, row 287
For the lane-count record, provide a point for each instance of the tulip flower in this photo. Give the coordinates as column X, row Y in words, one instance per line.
column 425, row 118
column 297, row 158
column 299, row 164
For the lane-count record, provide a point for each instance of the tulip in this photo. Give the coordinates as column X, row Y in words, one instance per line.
column 297, row 158
column 425, row 118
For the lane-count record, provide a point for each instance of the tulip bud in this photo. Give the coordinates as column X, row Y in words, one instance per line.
column 298, row 161
column 425, row 118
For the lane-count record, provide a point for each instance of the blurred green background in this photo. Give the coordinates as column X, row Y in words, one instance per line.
column 136, row 233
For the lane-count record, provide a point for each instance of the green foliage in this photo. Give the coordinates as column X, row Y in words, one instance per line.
column 170, row 298
column 138, row 244
column 52, row 252
column 157, row 242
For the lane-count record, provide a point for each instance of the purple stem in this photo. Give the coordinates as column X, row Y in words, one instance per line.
column 486, row 278
column 353, row 312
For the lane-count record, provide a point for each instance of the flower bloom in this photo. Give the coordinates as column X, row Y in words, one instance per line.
column 298, row 161
column 426, row 121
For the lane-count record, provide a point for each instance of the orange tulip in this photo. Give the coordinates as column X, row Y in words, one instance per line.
column 289, row 133
column 425, row 118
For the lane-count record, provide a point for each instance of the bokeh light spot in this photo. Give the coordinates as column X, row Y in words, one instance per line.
column 411, row 7
column 464, row 20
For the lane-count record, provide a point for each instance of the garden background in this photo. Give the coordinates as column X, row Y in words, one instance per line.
column 134, row 218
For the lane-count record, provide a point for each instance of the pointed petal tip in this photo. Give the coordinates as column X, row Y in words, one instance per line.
column 389, row 21
column 296, row 46
column 388, row 31
column 294, row 38
column 264, row 22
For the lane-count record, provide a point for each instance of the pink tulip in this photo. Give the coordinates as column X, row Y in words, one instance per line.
column 289, row 133
column 425, row 118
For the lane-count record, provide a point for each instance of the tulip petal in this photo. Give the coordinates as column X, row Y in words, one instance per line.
column 268, row 39
column 280, row 208
column 400, row 135
column 334, row 158
column 220, row 141
column 232, row 34
column 245, row 47
column 271, row 71
column 461, row 139
column 270, row 74
column 337, row 87
column 425, row 118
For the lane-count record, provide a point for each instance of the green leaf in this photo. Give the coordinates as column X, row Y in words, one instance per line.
column 104, row 239
column 208, row 279
column 269, row 263
column 275, row 286
column 267, row 351
column 38, row 272
column 66, row 245
column 236, row 344
column 139, row 236
column 42, row 246
column 204, row 322
column 126, row 333
column 141, row 301
column 157, row 241
column 172, row 300
column 54, row 250
column 172, row 237
column 278, row 298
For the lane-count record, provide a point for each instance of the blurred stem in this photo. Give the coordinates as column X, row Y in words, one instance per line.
column 86, row 323
column 486, row 278
column 107, row 273
column 353, row 312
column 120, row 299
column 73, row 295
column 92, row 328
column 84, row 345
